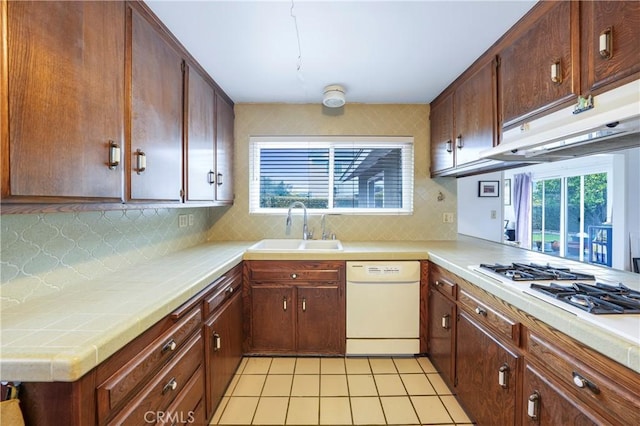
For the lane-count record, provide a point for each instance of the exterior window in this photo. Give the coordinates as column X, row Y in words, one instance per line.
column 332, row 175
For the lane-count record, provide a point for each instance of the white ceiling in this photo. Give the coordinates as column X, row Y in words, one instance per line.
column 380, row 51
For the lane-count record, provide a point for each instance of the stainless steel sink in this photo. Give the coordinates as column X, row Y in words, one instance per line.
column 288, row 245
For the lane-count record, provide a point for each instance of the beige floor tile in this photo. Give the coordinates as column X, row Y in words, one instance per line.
column 398, row 410
column 219, row 410
column 332, row 366
column 389, row 385
column 333, row 385
column 417, row 384
column 362, row 385
column 335, row 411
column 271, row 411
column 249, row 385
column 357, row 366
column 430, row 410
column 303, row 411
column 242, row 365
column 455, row 410
column 407, row 365
column 306, row 385
column 232, row 385
column 239, row 411
column 257, row 366
column 438, row 384
column 277, row 385
column 367, row 411
column 382, row 365
column 426, row 365
column 307, row 366
column 282, row 366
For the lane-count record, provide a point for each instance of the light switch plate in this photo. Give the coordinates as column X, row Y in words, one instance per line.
column 447, row 217
column 183, row 221
column 191, row 220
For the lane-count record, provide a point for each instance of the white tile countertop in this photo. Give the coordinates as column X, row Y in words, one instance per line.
column 61, row 337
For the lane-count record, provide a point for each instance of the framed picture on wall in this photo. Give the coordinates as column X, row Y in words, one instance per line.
column 507, row 192
column 489, row 188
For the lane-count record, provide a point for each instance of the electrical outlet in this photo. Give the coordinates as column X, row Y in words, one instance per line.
column 494, row 214
column 191, row 220
column 447, row 217
column 182, row 220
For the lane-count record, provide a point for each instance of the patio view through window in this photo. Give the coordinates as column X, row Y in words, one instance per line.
column 332, row 175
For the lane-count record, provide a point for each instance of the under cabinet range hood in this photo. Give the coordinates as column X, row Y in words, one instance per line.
column 609, row 122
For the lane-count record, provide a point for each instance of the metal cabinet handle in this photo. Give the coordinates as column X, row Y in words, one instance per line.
column 170, row 346
column 533, row 405
column 459, row 143
column 503, row 376
column 581, row 382
column 556, row 72
column 229, row 290
column 294, row 276
column 304, row 304
column 449, row 146
column 219, row 179
column 211, row 177
column 481, row 311
column 170, row 386
column 114, row 155
column 284, row 303
column 217, row 341
column 141, row 161
column 438, row 283
column 445, row 321
column 605, row 43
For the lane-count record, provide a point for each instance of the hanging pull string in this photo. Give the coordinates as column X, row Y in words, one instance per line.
column 295, row 21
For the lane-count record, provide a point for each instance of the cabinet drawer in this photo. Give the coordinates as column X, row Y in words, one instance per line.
column 506, row 327
column 227, row 287
column 294, row 272
column 188, row 407
column 120, row 386
column 165, row 386
column 596, row 385
column 443, row 281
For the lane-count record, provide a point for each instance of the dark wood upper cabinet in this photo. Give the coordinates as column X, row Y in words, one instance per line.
column 526, row 85
column 156, row 113
column 224, row 149
column 65, row 63
column 200, row 138
column 475, row 103
column 442, row 139
column 619, row 21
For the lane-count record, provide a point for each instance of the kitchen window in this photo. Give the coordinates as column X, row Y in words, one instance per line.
column 339, row 175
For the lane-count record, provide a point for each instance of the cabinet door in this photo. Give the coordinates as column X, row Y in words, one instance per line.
column 621, row 20
column 525, row 67
column 223, row 350
column 66, row 100
column 200, row 138
column 321, row 320
column 486, row 385
column 156, row 115
column 442, row 314
column 224, row 149
column 441, row 122
column 475, row 104
column 546, row 403
column 272, row 325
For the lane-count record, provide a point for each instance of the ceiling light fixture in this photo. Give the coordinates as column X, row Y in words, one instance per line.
column 333, row 96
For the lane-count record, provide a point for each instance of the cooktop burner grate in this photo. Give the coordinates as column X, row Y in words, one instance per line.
column 596, row 299
column 536, row 272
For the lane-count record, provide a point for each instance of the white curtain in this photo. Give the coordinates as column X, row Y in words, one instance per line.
column 522, row 207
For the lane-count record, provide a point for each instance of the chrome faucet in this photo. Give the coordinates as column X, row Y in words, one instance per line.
column 305, row 228
column 324, row 226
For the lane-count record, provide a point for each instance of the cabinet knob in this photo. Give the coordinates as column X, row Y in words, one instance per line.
column 170, row 346
column 581, row 382
column 481, row 311
column 170, row 386
column 304, row 304
column 294, row 276
column 284, row 303
column 533, row 404
column 437, row 283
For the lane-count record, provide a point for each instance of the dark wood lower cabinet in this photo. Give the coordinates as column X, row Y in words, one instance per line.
column 442, row 322
column 546, row 403
column 272, row 318
column 487, row 374
column 317, row 332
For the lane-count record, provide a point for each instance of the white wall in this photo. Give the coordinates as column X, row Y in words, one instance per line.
column 632, row 167
column 474, row 213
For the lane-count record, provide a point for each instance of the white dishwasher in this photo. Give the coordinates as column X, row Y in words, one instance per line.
column 383, row 308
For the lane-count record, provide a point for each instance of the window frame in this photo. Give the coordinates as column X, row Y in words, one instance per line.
column 405, row 143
